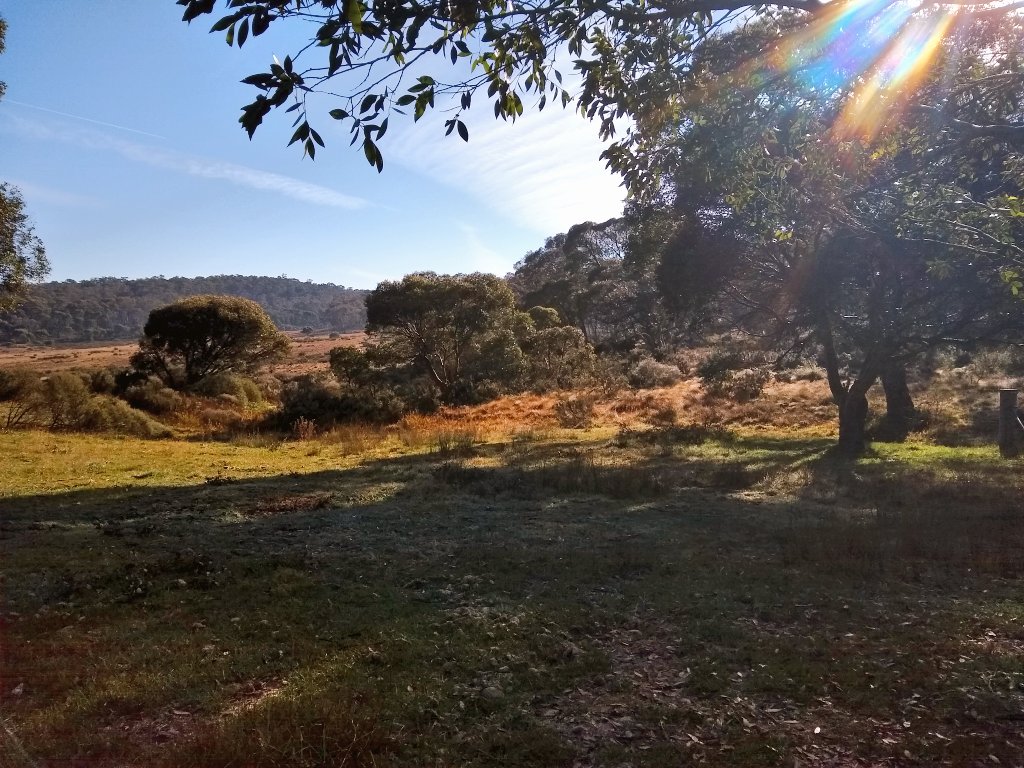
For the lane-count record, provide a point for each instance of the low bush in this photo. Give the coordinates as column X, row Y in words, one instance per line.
column 718, row 367
column 66, row 398
column 103, row 381
column 575, row 412
column 109, row 414
column 734, row 375
column 215, row 418
column 327, row 404
column 153, row 396
column 649, row 373
column 245, row 391
column 21, row 394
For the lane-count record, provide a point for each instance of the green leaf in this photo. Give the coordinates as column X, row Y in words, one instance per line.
column 338, row 114
column 354, row 15
column 463, row 130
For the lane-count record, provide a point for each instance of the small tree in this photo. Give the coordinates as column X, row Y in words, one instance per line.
column 461, row 331
column 191, row 339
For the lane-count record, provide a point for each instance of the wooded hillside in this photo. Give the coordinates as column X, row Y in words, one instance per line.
column 111, row 309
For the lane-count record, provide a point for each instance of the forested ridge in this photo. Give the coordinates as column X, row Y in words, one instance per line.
column 114, row 309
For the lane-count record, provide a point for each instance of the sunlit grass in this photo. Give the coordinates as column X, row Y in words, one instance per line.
column 493, row 591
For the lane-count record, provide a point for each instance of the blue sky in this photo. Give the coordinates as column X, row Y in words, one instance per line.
column 120, row 128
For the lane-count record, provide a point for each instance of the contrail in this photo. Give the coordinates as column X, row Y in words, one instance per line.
column 84, row 119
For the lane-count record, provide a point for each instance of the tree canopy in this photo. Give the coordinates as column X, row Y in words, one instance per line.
column 870, row 247
column 378, row 58
column 22, row 255
column 200, row 336
column 457, row 330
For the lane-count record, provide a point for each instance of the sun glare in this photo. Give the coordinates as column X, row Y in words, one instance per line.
column 878, row 50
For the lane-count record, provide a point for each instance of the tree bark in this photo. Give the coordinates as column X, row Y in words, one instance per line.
column 899, row 403
column 853, row 417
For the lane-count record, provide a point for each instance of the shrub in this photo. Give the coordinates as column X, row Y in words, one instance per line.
column 649, row 373
column 665, row 416
column 66, row 397
column 558, row 358
column 220, row 417
column 749, row 383
column 108, row 414
column 103, row 381
column 153, row 396
column 742, row 386
column 269, row 386
column 317, row 400
column 718, row 367
column 575, row 412
column 21, row 391
column 245, row 391
column 608, row 375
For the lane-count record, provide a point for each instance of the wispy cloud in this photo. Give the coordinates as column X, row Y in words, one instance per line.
column 181, row 162
column 542, row 172
column 82, row 118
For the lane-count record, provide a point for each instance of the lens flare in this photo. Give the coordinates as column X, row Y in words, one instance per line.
column 876, row 51
column 893, row 77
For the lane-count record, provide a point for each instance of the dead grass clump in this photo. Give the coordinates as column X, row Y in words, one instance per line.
column 575, row 412
column 302, row 502
column 220, row 418
column 333, row 731
column 456, row 443
column 304, row 429
column 584, row 473
column 354, row 439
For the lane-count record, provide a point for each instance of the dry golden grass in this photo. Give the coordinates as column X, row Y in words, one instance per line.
column 64, row 358
column 309, row 353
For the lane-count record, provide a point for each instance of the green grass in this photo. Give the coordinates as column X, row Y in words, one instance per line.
column 644, row 599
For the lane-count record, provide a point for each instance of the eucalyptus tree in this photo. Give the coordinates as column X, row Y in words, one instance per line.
column 191, row 339
column 461, row 332
column 373, row 59
column 871, row 242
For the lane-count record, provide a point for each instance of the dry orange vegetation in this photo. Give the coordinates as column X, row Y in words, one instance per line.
column 801, row 405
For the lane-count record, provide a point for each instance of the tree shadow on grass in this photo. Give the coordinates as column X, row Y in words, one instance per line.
column 407, row 585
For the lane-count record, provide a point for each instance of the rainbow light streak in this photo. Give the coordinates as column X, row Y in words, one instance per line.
column 842, row 43
column 893, row 77
column 877, row 50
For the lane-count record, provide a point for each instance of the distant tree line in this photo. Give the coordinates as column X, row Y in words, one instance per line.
column 116, row 309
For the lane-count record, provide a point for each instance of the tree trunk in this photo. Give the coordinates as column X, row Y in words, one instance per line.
column 853, row 417
column 899, row 404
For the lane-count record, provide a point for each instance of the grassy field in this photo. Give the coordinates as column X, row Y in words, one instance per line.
column 539, row 597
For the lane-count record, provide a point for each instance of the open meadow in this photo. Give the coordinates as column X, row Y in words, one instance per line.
column 483, row 587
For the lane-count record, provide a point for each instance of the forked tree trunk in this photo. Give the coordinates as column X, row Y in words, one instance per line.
column 899, row 403
column 853, row 417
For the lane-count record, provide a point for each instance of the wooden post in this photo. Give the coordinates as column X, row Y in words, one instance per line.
column 1009, row 424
